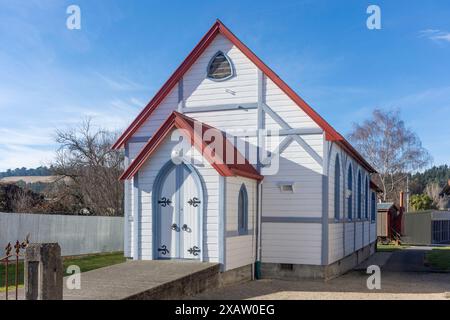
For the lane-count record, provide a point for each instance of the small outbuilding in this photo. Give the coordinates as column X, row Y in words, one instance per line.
column 427, row 227
column 388, row 213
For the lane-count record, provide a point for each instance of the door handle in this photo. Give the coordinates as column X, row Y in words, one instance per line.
column 174, row 227
column 185, row 227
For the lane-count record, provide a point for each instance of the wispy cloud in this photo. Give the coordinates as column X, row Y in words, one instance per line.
column 13, row 156
column 122, row 84
column 435, row 35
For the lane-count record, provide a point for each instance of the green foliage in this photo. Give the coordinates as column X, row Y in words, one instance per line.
column 439, row 258
column 18, row 172
column 420, row 202
column 86, row 263
column 420, row 180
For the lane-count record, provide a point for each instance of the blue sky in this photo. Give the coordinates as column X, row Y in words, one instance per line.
column 52, row 77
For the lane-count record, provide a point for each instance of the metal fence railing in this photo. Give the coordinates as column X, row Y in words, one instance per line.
column 12, row 257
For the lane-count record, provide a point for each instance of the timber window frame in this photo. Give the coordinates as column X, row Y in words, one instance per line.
column 212, row 70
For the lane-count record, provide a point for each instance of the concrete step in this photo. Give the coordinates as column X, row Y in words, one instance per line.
column 159, row 279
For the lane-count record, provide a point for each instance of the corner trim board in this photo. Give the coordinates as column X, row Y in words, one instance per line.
column 222, row 223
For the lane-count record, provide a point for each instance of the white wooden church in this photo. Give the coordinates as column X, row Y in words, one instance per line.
column 304, row 209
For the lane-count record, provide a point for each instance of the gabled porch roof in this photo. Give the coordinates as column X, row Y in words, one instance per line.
column 217, row 157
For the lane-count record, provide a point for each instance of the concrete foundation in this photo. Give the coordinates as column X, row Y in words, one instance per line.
column 238, row 275
column 300, row 271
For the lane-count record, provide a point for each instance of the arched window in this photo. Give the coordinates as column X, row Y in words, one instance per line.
column 358, row 196
column 243, row 211
column 374, row 206
column 366, row 199
column 220, row 67
column 350, row 195
column 337, row 188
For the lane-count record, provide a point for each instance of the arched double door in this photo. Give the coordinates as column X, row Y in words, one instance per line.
column 179, row 206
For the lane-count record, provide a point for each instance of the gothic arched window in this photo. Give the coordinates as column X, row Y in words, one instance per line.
column 220, row 67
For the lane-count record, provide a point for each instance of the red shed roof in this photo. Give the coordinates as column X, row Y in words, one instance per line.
column 218, row 27
column 217, row 155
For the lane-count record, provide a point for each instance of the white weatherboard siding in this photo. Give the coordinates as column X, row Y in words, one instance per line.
column 295, row 166
column 358, row 237
column 349, row 238
column 366, row 233
column 335, row 242
column 147, row 175
column 281, row 104
column 228, row 120
column 157, row 117
column 133, row 150
column 296, row 243
column 241, row 88
column 240, row 249
column 373, row 232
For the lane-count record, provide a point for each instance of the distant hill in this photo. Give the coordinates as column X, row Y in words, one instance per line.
column 436, row 174
column 25, row 172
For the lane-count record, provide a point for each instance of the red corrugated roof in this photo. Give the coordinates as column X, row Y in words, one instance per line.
column 216, row 154
column 330, row 133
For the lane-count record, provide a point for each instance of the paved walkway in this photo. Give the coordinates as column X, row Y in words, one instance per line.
column 127, row 279
column 408, row 260
column 130, row 278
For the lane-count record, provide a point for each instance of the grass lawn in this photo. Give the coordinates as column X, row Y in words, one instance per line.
column 439, row 258
column 86, row 263
column 389, row 247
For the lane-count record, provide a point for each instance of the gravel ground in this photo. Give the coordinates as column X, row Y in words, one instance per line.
column 403, row 277
column 394, row 286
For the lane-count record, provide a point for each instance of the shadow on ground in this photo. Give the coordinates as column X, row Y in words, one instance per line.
column 403, row 276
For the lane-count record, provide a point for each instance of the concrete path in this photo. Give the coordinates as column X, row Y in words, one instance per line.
column 132, row 278
column 408, row 260
column 378, row 259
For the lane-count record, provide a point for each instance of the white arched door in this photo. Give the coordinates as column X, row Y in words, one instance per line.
column 179, row 206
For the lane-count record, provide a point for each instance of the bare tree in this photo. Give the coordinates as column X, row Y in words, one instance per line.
column 393, row 149
column 433, row 190
column 93, row 169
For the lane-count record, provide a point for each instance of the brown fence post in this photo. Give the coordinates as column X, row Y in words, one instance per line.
column 43, row 272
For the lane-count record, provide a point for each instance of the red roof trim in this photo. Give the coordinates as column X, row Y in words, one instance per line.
column 183, row 122
column 330, row 133
column 165, row 89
